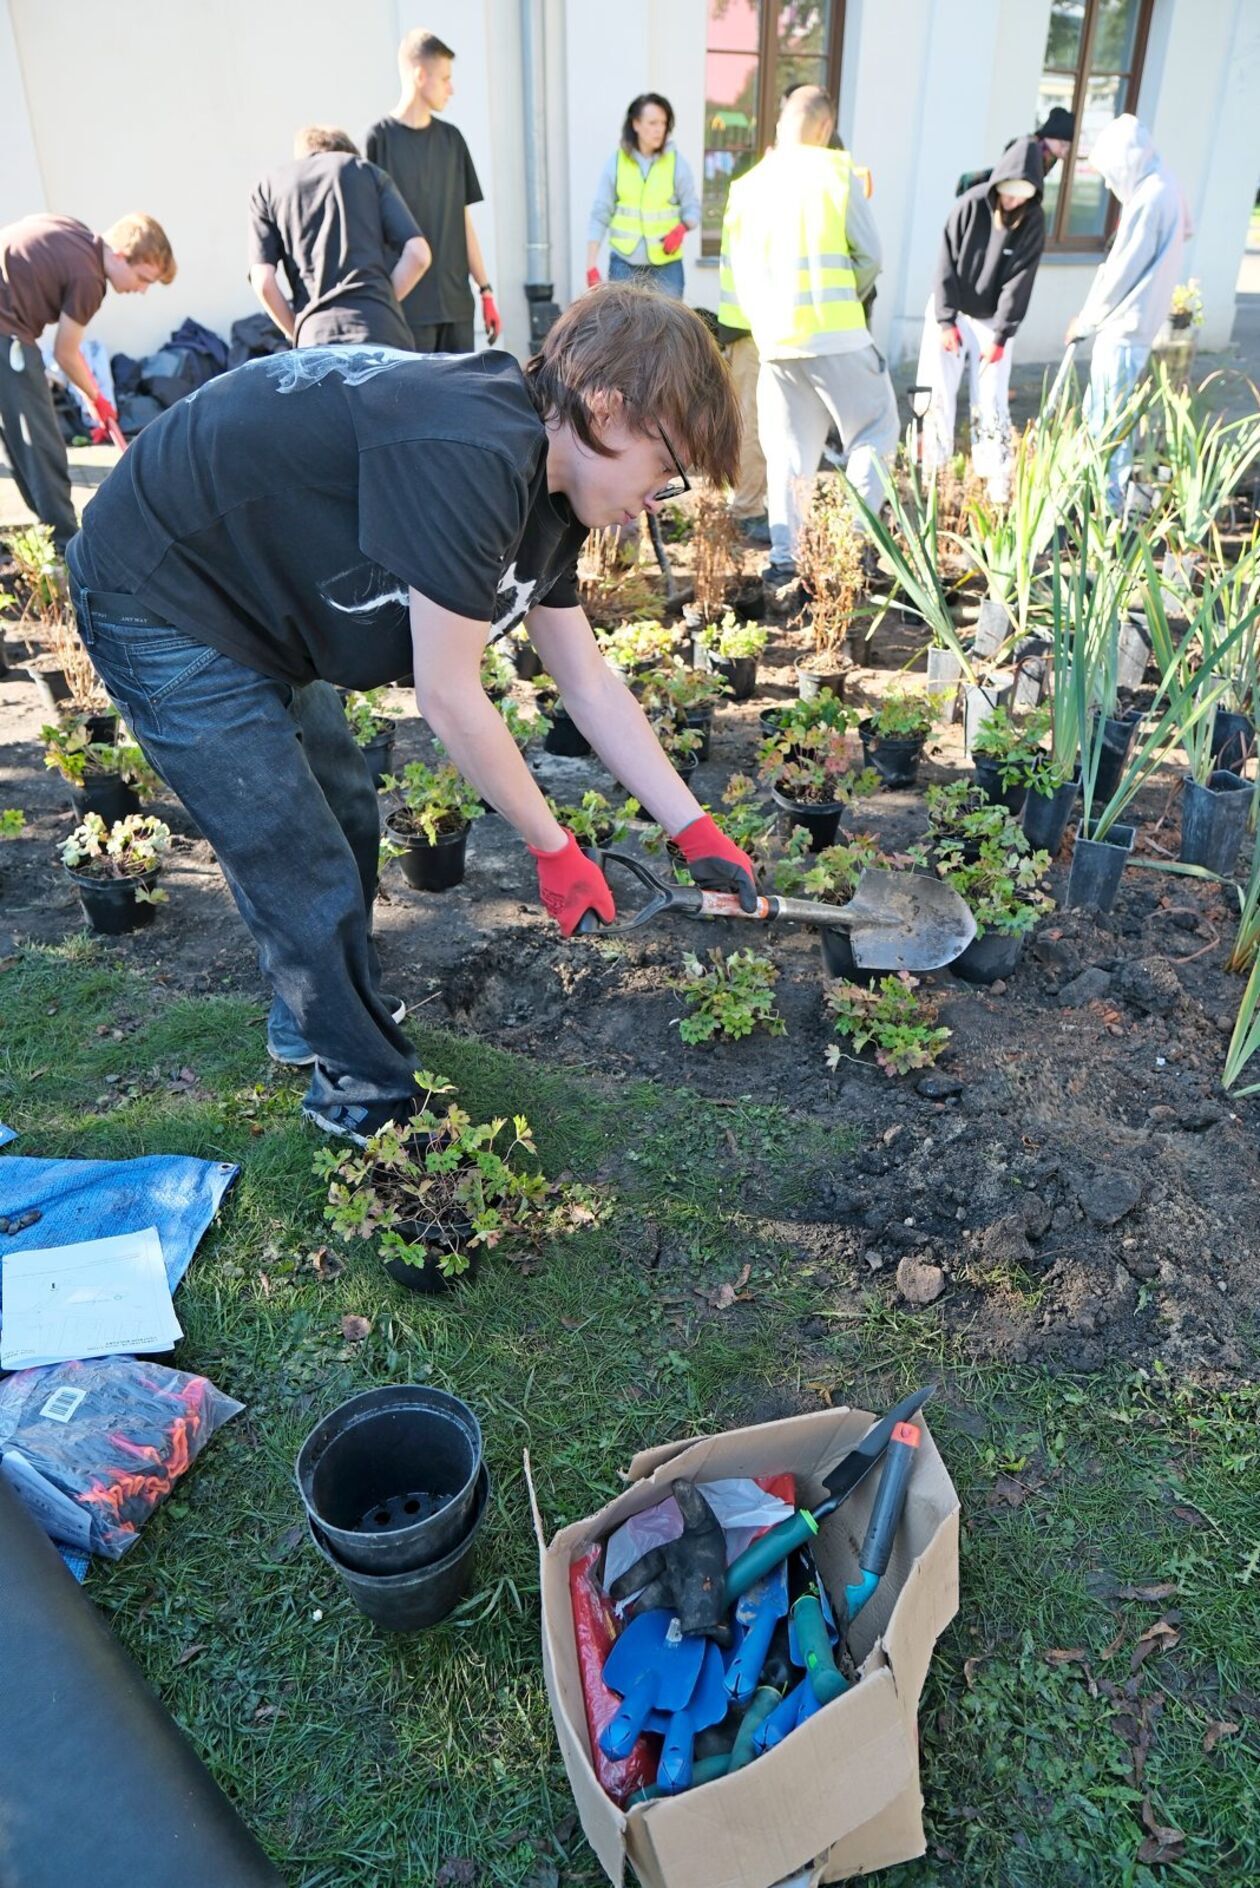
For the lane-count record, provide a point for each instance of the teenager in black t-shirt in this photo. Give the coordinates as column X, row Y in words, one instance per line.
column 346, row 515
column 333, row 224
column 430, row 164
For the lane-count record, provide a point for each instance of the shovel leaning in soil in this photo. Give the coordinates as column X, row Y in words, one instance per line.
column 894, row 920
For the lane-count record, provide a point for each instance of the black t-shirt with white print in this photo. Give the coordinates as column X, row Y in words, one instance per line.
column 281, row 512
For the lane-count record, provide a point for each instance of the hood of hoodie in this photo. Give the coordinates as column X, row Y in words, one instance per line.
column 1123, row 155
column 1021, row 159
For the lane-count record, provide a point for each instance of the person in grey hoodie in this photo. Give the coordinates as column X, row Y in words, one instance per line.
column 646, row 201
column 1132, row 289
column 990, row 249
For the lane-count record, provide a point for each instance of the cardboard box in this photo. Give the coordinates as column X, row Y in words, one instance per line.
column 841, row 1794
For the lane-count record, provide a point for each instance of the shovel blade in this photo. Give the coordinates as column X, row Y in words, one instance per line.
column 905, row 921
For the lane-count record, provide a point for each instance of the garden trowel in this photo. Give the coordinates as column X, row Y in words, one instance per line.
column 707, row 1705
column 653, row 1666
column 894, row 920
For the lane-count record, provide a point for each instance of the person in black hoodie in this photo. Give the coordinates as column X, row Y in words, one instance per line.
column 990, row 249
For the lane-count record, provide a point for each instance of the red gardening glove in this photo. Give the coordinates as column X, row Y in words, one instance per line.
column 673, row 240
column 490, row 315
column 951, row 339
column 593, row 278
column 716, row 862
column 993, row 353
column 570, row 884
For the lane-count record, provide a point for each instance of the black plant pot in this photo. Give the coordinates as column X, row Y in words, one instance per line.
column 51, row 686
column 1117, row 739
column 821, row 822
column 838, row 958
column 738, row 672
column 422, row 1596
column 565, row 737
column 701, row 719
column 429, row 868
column 810, row 683
column 370, row 1457
column 429, row 1276
column 1213, row 821
column 770, row 720
column 1097, row 867
column 110, row 905
column 102, row 727
column 989, row 781
column 895, row 759
column 379, row 755
column 1046, row 816
column 685, row 766
column 989, row 957
column 528, row 661
column 106, row 794
column 1233, row 740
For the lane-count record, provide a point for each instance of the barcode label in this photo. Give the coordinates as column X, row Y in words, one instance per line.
column 62, row 1404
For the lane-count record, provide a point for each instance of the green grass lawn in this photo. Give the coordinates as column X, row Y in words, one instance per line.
column 364, row 1760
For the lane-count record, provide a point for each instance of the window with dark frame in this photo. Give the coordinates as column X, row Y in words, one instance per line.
column 1093, row 67
column 755, row 50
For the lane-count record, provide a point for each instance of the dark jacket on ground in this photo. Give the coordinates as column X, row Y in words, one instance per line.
column 987, row 269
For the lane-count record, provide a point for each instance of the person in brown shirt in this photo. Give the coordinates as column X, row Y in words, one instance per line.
column 54, row 269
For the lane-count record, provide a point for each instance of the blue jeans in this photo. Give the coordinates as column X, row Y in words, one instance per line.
column 273, row 778
column 1113, row 374
column 667, row 277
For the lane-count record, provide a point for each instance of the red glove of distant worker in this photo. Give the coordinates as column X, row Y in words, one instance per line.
column 592, row 278
column 570, row 884
column 993, row 353
column 951, row 339
column 716, row 862
column 107, row 413
column 673, row 240
column 490, row 315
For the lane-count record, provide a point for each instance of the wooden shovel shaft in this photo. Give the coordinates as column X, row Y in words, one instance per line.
column 795, row 910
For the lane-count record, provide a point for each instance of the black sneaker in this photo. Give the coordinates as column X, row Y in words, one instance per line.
column 358, row 1121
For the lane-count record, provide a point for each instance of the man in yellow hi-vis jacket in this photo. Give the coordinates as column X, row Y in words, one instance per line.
column 799, row 254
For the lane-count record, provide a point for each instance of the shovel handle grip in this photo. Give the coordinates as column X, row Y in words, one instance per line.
column 891, row 1500
column 765, row 1554
column 760, row 1705
column 814, row 1643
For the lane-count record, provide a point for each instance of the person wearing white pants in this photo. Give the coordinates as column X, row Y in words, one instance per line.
column 797, row 401
column 990, row 249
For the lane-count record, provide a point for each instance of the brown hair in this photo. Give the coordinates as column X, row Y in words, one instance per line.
column 140, row 238
column 659, row 356
column 313, row 138
column 636, row 109
column 420, row 47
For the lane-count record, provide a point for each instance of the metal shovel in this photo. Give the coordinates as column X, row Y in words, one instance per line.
column 894, row 920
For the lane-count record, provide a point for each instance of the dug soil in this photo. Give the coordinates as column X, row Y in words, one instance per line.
column 1068, row 1184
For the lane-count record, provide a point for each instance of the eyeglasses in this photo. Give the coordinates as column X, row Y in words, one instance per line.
column 676, row 487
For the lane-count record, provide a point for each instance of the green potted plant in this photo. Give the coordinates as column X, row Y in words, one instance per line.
column 681, row 742
column 825, row 709
column 893, row 736
column 691, row 695
column 594, row 821
column 435, row 1189
column 430, row 828
column 812, row 778
column 498, row 671
column 104, row 776
column 114, row 870
column 1002, row 883
column 526, row 658
column 524, row 724
column 731, row 650
column 563, row 734
column 1007, row 754
column 372, row 729
column 634, row 647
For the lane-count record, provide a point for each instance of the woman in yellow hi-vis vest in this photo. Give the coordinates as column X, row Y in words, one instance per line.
column 646, row 201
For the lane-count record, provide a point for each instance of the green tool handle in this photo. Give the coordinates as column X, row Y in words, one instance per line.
column 765, row 1554
column 705, row 1770
column 760, row 1705
column 814, row 1644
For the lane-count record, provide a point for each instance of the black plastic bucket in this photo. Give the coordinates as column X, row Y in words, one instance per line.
column 110, row 905
column 565, row 737
column 429, row 868
column 895, row 760
column 1213, row 821
column 1097, row 867
column 51, row 686
column 1117, row 739
column 738, row 672
column 989, row 957
column 989, row 781
column 1046, row 816
column 364, row 1461
column 422, row 1596
column 1233, row 740
column 528, row 661
column 822, row 823
column 106, row 794
column 701, row 719
column 379, row 755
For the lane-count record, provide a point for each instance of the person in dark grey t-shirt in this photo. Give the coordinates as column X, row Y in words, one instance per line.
column 331, row 222
column 349, row 514
column 430, row 164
